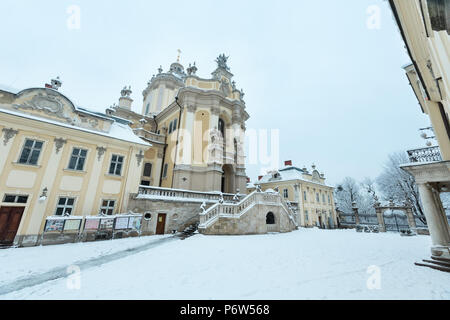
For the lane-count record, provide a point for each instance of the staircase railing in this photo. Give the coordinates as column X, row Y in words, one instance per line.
column 226, row 209
column 288, row 210
column 236, row 210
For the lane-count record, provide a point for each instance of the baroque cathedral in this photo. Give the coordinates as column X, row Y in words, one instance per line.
column 196, row 127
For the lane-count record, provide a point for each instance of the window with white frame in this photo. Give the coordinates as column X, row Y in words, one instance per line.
column 116, row 165
column 13, row 198
column 286, row 193
column 107, row 207
column 65, row 206
column 173, row 125
column 77, row 159
column 30, row 152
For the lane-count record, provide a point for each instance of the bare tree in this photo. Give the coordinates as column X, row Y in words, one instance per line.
column 349, row 192
column 398, row 185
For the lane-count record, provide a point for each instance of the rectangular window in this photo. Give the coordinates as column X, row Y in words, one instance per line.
column 77, row 159
column 145, row 183
column 108, row 207
column 317, row 198
column 166, row 167
column 12, row 198
column 304, row 195
column 30, row 152
column 323, row 198
column 285, row 193
column 329, row 199
column 65, row 206
column 306, row 215
column 116, row 165
column 174, row 126
column 147, row 170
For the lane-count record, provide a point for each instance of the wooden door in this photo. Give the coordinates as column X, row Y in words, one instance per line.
column 9, row 223
column 161, row 223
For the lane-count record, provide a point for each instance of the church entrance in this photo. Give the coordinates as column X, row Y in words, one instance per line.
column 228, row 179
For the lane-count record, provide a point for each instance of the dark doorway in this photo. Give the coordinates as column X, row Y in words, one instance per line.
column 161, row 223
column 270, row 218
column 9, row 223
column 228, row 179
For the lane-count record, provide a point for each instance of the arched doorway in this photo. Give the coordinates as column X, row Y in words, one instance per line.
column 270, row 218
column 227, row 185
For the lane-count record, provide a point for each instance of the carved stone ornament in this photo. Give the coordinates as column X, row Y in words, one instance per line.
column 215, row 111
column 225, row 87
column 8, row 135
column 191, row 108
column 59, row 143
column 160, row 154
column 100, row 152
column 139, row 157
column 47, row 102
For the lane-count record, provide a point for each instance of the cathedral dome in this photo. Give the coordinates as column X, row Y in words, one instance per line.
column 177, row 69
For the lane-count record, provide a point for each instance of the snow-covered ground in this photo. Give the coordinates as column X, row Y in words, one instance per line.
column 305, row 264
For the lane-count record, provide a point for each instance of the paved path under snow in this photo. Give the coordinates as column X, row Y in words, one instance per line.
column 305, row 264
column 61, row 272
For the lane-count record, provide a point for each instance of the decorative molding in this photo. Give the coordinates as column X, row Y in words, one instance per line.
column 9, row 134
column 140, row 156
column 59, row 143
column 48, row 103
column 100, row 152
column 160, row 154
column 215, row 111
column 191, row 108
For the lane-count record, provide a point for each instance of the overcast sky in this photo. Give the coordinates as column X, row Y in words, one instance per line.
column 312, row 69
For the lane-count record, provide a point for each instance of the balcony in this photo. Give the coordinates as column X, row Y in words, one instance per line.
column 431, row 154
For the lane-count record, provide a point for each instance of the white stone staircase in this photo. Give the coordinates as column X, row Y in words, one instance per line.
column 238, row 210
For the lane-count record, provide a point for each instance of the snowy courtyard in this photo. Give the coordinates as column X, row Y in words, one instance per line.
column 305, row 264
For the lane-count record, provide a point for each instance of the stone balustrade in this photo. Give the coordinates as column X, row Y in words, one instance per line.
column 238, row 209
column 178, row 194
column 431, row 154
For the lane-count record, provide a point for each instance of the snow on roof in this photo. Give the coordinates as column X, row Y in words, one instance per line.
column 288, row 173
column 9, row 89
column 117, row 131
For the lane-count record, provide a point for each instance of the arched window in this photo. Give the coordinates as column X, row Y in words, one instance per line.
column 270, row 218
column 221, row 127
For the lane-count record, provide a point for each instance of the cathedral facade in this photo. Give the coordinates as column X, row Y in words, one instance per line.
column 196, row 127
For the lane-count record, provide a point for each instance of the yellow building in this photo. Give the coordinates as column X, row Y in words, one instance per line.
column 197, row 128
column 425, row 27
column 57, row 159
column 309, row 196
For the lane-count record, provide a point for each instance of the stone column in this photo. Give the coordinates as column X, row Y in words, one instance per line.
column 355, row 213
column 437, row 226
column 380, row 218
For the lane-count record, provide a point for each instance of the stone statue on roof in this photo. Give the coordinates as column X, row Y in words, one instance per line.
column 222, row 62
